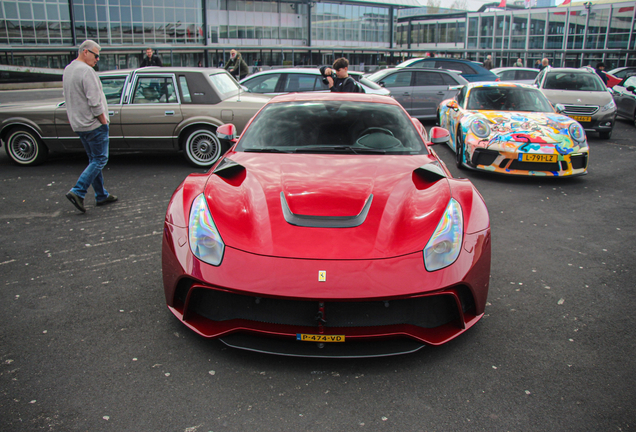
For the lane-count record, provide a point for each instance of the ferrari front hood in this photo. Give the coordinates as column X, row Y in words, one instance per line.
column 326, row 206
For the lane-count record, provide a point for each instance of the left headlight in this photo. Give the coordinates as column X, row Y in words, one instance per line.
column 443, row 248
column 480, row 128
column 609, row 107
column 205, row 241
column 577, row 132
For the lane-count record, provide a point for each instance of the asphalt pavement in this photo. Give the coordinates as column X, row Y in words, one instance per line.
column 87, row 343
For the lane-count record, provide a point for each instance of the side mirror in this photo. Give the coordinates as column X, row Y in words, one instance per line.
column 439, row 135
column 381, row 83
column 227, row 132
column 630, row 88
column 453, row 105
column 560, row 108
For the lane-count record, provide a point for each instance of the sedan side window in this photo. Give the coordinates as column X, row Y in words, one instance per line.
column 263, row 84
column 299, row 83
column 526, row 75
column 400, row 79
column 112, row 88
column 507, row 75
column 154, row 90
column 185, row 90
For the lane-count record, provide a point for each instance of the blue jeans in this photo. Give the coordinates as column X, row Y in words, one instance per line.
column 95, row 143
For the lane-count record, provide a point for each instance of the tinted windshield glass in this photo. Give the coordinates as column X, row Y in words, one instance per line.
column 333, row 127
column 573, row 81
column 508, row 99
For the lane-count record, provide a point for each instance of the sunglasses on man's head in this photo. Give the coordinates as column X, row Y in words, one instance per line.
column 96, row 55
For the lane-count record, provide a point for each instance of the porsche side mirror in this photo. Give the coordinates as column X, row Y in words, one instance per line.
column 227, row 132
column 439, row 135
column 560, row 108
column 453, row 105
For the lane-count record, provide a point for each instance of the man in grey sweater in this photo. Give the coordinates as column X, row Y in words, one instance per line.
column 87, row 112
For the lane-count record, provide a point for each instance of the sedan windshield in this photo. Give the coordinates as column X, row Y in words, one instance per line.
column 508, row 99
column 332, row 127
column 579, row 81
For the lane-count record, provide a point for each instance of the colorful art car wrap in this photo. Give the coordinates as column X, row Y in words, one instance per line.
column 515, row 142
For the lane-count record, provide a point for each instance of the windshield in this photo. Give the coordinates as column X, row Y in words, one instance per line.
column 508, row 99
column 579, row 81
column 332, row 127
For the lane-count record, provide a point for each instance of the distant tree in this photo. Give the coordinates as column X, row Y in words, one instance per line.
column 433, row 6
column 460, row 5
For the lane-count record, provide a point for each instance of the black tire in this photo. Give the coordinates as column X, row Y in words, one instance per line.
column 459, row 150
column 439, row 120
column 25, row 147
column 605, row 134
column 201, row 147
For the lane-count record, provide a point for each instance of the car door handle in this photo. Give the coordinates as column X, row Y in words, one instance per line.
column 406, row 94
column 112, row 113
column 440, row 93
column 169, row 113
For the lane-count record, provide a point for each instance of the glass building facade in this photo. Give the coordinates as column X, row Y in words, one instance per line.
column 45, row 33
column 569, row 36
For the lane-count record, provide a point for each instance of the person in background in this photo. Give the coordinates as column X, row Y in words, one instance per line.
column 544, row 63
column 236, row 66
column 150, row 59
column 600, row 71
column 537, row 64
column 488, row 62
column 519, row 63
column 87, row 113
column 342, row 83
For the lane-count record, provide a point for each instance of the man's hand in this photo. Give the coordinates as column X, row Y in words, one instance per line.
column 102, row 118
column 330, row 81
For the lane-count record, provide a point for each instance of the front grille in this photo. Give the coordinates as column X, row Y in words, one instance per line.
column 578, row 161
column 427, row 312
column 484, row 157
column 581, row 109
column 534, row 166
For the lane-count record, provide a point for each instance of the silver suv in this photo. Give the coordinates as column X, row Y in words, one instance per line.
column 581, row 95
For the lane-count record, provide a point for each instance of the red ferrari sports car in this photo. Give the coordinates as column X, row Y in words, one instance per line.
column 329, row 229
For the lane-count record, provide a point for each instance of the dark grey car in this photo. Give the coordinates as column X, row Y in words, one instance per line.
column 625, row 97
column 419, row 90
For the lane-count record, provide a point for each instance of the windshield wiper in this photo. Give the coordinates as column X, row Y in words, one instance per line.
column 338, row 148
column 264, row 150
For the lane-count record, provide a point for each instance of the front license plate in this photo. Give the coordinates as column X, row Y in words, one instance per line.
column 319, row 338
column 581, row 118
column 546, row 158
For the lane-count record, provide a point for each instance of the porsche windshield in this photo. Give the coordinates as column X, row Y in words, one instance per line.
column 493, row 98
column 332, row 127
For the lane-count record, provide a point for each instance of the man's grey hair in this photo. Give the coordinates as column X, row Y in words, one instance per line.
column 89, row 45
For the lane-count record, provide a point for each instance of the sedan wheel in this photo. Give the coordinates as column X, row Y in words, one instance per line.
column 459, row 150
column 24, row 147
column 202, row 148
column 605, row 135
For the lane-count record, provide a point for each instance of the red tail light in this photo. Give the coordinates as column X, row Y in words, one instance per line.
column 497, row 79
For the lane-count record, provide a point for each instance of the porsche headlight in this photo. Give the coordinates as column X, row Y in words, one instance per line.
column 205, row 241
column 609, row 107
column 577, row 132
column 443, row 248
column 480, row 128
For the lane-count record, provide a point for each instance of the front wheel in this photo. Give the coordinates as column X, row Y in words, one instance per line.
column 605, row 135
column 201, row 147
column 459, row 150
column 25, row 147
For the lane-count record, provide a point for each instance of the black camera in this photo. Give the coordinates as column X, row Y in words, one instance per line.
column 324, row 77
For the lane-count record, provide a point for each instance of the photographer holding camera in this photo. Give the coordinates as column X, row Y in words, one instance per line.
column 338, row 77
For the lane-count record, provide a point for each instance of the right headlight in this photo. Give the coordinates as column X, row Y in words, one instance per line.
column 443, row 248
column 480, row 128
column 609, row 106
column 205, row 241
column 577, row 132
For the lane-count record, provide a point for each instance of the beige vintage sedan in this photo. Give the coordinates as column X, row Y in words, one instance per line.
column 150, row 109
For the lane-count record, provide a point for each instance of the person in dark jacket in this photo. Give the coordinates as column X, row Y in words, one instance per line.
column 488, row 62
column 342, row 83
column 150, row 59
column 600, row 71
column 236, row 65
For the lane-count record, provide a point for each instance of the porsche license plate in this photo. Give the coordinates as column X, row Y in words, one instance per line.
column 545, row 158
column 319, row 338
column 581, row 118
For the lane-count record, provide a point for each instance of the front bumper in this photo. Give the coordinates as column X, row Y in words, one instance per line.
column 382, row 307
